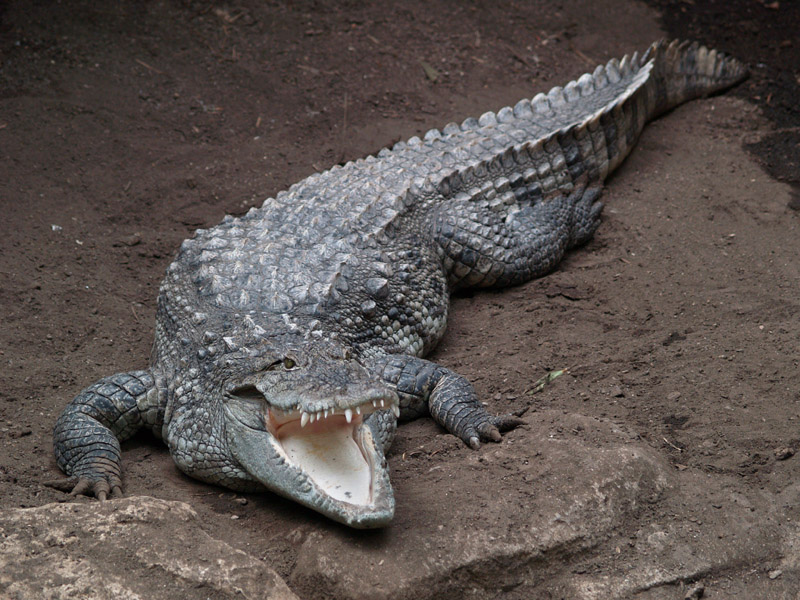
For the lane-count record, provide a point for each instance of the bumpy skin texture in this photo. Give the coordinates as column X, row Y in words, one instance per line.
column 330, row 294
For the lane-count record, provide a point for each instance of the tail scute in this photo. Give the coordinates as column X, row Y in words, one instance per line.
column 685, row 70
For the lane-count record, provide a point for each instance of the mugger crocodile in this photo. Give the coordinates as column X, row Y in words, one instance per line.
column 290, row 340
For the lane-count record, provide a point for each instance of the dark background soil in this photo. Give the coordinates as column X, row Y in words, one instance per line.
column 126, row 126
column 766, row 33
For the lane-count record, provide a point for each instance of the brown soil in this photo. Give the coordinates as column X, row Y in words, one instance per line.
column 126, row 126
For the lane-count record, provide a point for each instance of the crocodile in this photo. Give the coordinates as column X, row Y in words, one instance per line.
column 289, row 341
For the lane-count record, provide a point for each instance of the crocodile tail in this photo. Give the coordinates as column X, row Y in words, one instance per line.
column 669, row 73
column 685, row 70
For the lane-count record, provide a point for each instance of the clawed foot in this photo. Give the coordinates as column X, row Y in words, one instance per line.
column 99, row 488
column 490, row 430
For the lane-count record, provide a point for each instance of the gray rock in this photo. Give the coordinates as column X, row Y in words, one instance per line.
column 134, row 548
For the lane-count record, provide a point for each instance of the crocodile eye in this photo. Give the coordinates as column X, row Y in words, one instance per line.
column 289, row 364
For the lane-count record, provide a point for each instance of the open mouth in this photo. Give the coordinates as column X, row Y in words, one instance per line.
column 329, row 460
column 328, row 446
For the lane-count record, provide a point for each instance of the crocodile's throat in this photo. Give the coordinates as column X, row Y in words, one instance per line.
column 327, row 447
column 330, row 460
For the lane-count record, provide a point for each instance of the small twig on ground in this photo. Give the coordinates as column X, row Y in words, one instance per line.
column 519, row 57
column 589, row 61
column 383, row 48
column 540, row 384
column 146, row 66
column 672, row 445
column 429, row 71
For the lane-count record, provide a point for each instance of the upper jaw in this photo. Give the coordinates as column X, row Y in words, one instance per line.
column 366, row 404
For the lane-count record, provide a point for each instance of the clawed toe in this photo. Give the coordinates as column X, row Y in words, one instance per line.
column 76, row 486
column 83, row 487
column 491, row 430
column 507, row 422
column 63, row 485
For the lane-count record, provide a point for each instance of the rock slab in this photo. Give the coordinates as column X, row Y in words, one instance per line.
column 137, row 548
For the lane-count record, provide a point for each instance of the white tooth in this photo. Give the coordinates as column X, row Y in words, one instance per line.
column 303, row 419
column 348, row 414
column 358, row 410
column 396, row 410
column 325, row 413
column 375, row 404
column 382, row 403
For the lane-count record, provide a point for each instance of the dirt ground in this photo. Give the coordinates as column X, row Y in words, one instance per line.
column 126, row 126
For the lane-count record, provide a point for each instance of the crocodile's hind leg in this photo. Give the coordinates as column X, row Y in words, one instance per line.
column 485, row 247
column 88, row 433
column 424, row 386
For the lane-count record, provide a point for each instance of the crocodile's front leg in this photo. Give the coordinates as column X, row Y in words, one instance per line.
column 451, row 400
column 88, row 433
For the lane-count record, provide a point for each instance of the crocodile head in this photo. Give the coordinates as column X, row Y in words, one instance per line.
column 307, row 423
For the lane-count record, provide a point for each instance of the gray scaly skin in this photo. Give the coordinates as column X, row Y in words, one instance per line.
column 315, row 310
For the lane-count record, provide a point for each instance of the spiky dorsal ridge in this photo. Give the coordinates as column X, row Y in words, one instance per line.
column 681, row 70
column 692, row 58
column 539, row 106
column 715, row 69
column 539, row 160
